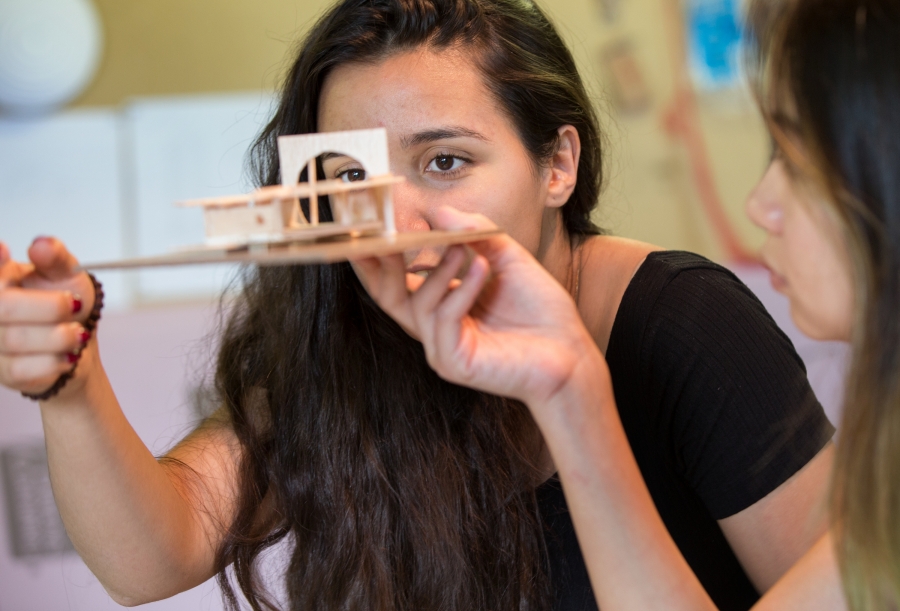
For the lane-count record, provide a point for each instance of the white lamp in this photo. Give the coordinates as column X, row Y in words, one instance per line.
column 49, row 52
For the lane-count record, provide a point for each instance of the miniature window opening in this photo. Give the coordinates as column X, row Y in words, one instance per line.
column 341, row 193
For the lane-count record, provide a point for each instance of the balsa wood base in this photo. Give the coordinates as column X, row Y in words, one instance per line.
column 305, row 253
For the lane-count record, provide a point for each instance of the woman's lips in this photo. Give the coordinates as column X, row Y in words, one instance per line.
column 419, row 268
column 778, row 282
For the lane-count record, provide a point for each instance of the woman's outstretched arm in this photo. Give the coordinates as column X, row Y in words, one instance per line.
column 508, row 328
column 147, row 529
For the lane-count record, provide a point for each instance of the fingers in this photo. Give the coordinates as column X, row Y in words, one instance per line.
column 51, row 259
column 39, row 340
column 33, row 373
column 434, row 289
column 11, row 272
column 460, row 301
column 42, row 339
column 385, row 280
column 26, row 306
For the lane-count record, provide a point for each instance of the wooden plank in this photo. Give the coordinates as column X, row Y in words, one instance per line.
column 298, row 253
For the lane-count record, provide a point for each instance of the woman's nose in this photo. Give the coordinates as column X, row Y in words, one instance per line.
column 411, row 208
column 763, row 205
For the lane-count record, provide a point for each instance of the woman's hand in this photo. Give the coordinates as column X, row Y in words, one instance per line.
column 506, row 326
column 42, row 306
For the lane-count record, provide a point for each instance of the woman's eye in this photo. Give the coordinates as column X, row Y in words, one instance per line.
column 352, row 175
column 445, row 163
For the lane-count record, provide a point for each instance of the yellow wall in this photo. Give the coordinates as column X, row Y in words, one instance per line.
column 192, row 46
column 650, row 194
column 195, row 46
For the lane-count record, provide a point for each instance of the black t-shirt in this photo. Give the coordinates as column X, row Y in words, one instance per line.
column 718, row 412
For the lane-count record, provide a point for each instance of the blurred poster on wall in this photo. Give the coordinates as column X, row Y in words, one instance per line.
column 625, row 81
column 714, row 42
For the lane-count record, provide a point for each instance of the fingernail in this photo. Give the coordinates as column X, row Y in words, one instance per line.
column 73, row 357
column 77, row 304
column 40, row 238
column 84, row 336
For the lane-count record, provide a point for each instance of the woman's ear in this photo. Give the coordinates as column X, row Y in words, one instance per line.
column 563, row 167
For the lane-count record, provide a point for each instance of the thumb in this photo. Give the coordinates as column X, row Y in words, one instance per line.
column 11, row 272
column 52, row 261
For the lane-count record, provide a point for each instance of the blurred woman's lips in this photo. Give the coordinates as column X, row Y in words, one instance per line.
column 419, row 268
column 778, row 282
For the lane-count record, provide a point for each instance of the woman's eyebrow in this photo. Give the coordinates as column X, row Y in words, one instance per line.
column 442, row 133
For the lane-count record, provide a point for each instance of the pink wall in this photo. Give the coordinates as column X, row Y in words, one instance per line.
column 153, row 357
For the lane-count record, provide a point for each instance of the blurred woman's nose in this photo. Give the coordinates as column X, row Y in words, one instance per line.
column 764, row 206
column 411, row 208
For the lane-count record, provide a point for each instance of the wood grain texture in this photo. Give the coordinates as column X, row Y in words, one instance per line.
column 298, row 253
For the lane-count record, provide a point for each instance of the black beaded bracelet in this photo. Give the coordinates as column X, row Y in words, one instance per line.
column 90, row 325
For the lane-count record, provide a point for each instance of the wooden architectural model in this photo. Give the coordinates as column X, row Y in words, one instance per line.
column 268, row 226
column 272, row 215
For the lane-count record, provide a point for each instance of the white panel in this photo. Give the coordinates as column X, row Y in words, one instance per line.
column 367, row 146
column 184, row 148
column 60, row 176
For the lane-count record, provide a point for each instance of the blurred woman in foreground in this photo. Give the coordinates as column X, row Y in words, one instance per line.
column 830, row 203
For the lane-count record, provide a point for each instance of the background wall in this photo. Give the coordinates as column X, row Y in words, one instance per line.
column 165, row 47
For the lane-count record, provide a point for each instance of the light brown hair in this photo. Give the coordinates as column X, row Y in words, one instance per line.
column 829, row 87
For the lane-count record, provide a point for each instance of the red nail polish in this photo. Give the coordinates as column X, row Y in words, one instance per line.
column 77, row 304
column 84, row 336
column 73, row 357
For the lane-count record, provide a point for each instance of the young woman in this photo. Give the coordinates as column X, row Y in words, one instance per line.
column 395, row 488
column 830, row 203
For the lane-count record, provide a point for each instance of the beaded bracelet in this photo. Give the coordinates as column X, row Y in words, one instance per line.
column 90, row 325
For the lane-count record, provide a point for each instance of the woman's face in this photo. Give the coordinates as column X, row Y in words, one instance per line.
column 805, row 253
column 446, row 136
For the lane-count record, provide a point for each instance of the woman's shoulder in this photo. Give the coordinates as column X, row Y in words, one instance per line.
column 637, row 288
column 617, row 270
column 671, row 286
column 628, row 286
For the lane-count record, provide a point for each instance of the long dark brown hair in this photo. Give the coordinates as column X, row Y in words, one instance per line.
column 831, row 94
column 395, row 490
